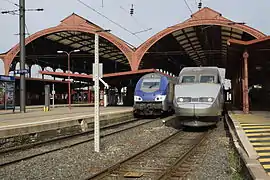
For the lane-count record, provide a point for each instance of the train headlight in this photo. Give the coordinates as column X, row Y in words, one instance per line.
column 180, row 100
column 206, row 99
column 183, row 99
column 210, row 99
column 160, row 98
column 137, row 98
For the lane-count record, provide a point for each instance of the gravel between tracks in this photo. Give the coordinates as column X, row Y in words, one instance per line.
column 80, row 161
column 215, row 164
column 10, row 156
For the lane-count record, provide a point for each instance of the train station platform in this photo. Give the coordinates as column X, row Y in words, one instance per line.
column 56, row 122
column 40, row 107
column 253, row 134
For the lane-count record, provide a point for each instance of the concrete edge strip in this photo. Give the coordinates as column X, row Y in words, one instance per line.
column 61, row 120
column 253, row 165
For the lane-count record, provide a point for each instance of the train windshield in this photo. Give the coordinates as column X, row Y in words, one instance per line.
column 207, row 79
column 188, row 79
column 150, row 84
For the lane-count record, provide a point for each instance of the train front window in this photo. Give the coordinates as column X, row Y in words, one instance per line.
column 207, row 79
column 150, row 84
column 188, row 79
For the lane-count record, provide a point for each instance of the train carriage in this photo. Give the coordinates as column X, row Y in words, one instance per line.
column 199, row 96
column 154, row 94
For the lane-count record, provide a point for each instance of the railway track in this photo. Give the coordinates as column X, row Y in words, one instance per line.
column 163, row 160
column 82, row 138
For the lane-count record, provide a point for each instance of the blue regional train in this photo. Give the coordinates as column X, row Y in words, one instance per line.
column 154, row 95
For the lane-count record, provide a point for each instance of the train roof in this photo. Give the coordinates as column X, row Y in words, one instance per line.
column 157, row 75
column 195, row 70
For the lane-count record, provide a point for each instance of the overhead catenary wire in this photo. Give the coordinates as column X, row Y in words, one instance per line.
column 141, row 25
column 188, row 6
column 109, row 19
column 11, row 2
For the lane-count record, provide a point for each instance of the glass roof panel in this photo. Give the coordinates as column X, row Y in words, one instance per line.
column 74, row 38
column 189, row 29
column 236, row 36
column 180, row 37
column 177, row 33
column 188, row 49
column 85, row 48
column 226, row 28
column 193, row 39
column 195, row 43
column 113, row 54
column 186, row 45
column 225, row 33
column 63, row 33
column 184, row 41
column 76, row 45
column 53, row 37
column 191, row 34
column 65, row 41
column 237, row 31
column 106, row 55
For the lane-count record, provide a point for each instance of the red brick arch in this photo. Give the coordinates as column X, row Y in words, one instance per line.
column 205, row 16
column 81, row 27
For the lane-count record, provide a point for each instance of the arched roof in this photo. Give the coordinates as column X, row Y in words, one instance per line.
column 205, row 16
column 72, row 23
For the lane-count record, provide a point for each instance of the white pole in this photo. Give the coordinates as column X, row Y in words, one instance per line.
column 105, row 97
column 53, row 92
column 96, row 79
column 105, row 94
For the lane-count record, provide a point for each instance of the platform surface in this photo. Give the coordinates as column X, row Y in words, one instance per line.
column 13, row 120
column 256, row 128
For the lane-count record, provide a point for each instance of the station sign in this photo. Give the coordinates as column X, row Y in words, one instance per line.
column 7, row 78
column 23, row 71
column 100, row 66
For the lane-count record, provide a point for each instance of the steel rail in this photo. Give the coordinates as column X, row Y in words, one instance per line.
column 108, row 170
column 77, row 143
column 167, row 171
column 184, row 157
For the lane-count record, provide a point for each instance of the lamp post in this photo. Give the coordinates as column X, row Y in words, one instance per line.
column 68, row 54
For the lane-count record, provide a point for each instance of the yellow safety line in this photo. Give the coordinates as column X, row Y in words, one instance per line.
column 259, row 138
column 255, row 130
column 263, row 153
column 260, row 143
column 259, row 134
column 256, row 127
column 264, row 159
column 261, row 148
column 266, row 166
column 251, row 124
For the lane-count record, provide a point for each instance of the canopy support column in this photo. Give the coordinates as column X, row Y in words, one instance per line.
column 245, row 83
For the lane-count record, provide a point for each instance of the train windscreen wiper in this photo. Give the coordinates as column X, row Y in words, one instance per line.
column 153, row 85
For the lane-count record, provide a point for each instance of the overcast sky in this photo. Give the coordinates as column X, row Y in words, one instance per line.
column 155, row 14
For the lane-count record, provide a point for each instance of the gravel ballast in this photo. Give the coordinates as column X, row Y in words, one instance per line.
column 219, row 159
column 81, row 161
